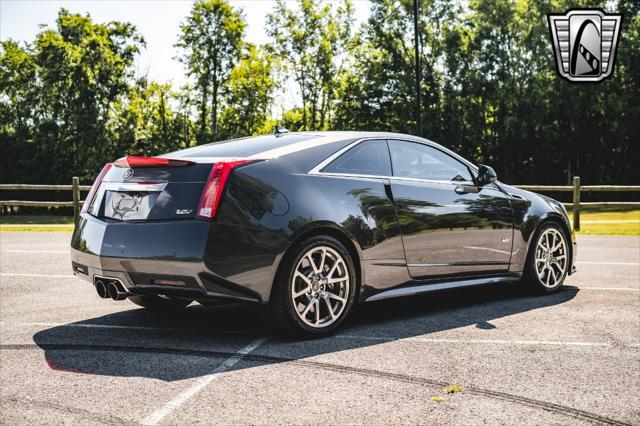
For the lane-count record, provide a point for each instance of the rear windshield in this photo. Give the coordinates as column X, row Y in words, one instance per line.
column 244, row 147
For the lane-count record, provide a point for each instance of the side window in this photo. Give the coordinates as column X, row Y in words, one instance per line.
column 366, row 158
column 418, row 161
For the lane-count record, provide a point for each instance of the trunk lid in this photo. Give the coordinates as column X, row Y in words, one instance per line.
column 150, row 193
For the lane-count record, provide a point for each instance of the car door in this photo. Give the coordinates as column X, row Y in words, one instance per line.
column 449, row 225
column 359, row 187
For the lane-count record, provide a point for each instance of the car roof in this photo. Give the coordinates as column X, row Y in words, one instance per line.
column 277, row 145
column 270, row 146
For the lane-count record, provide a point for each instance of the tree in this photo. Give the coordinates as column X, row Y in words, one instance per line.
column 378, row 91
column 144, row 122
column 76, row 72
column 69, row 100
column 311, row 42
column 250, row 93
column 211, row 40
column 17, row 75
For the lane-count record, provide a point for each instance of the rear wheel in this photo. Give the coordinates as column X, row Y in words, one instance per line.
column 548, row 261
column 315, row 290
column 159, row 303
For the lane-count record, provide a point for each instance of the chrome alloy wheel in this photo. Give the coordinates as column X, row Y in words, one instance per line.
column 551, row 257
column 320, row 287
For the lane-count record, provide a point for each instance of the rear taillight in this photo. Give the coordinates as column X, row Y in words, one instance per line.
column 96, row 184
column 215, row 186
column 136, row 162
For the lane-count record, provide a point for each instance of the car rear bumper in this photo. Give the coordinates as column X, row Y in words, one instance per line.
column 161, row 257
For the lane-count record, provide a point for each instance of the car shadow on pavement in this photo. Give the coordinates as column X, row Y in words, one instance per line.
column 193, row 342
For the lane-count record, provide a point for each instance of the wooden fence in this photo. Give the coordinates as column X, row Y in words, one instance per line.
column 577, row 189
column 76, row 188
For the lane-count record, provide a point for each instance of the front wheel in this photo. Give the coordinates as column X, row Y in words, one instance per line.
column 315, row 290
column 548, row 262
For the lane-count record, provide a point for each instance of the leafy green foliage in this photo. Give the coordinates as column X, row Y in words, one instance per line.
column 250, row 94
column 61, row 90
column 490, row 90
column 212, row 41
column 311, row 45
column 70, row 101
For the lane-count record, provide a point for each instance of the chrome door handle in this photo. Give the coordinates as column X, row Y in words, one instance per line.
column 466, row 189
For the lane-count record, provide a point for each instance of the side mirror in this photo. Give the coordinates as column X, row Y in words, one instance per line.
column 486, row 175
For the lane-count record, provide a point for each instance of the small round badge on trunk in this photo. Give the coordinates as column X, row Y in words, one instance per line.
column 128, row 174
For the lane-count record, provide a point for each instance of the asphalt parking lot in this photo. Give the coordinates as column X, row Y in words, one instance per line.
column 505, row 356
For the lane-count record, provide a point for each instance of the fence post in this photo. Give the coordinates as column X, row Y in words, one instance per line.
column 576, row 203
column 75, row 182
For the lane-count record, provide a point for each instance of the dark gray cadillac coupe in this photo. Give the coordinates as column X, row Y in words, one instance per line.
column 309, row 224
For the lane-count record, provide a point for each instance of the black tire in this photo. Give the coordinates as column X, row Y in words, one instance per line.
column 159, row 304
column 531, row 277
column 281, row 312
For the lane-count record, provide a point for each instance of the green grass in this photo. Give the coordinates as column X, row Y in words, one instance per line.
column 17, row 223
column 593, row 221
column 33, row 228
column 15, row 219
column 453, row 389
column 609, row 220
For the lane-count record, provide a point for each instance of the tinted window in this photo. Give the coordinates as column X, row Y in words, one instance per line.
column 366, row 158
column 244, row 147
column 418, row 161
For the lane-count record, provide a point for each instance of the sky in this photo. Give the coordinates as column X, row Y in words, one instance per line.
column 157, row 21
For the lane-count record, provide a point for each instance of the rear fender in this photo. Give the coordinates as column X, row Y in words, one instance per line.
column 331, row 229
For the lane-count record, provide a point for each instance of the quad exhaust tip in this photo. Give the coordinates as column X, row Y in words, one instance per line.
column 116, row 292
column 113, row 289
column 101, row 288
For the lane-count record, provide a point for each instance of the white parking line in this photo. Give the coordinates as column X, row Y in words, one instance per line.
column 37, row 275
column 340, row 336
column 38, row 251
column 610, row 288
column 608, row 263
column 171, row 406
column 479, row 341
column 347, row 336
column 125, row 327
column 106, row 326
